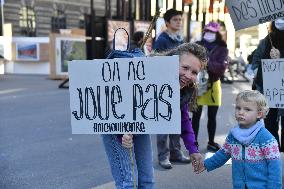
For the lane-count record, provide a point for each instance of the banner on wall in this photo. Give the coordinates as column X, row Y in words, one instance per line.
column 126, row 95
column 247, row 13
column 273, row 82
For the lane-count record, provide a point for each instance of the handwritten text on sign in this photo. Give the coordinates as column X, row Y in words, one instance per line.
column 247, row 13
column 273, row 82
column 127, row 95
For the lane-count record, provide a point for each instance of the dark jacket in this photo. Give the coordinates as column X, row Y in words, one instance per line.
column 164, row 42
column 217, row 60
column 262, row 52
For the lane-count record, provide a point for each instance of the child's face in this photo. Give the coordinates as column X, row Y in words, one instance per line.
column 189, row 66
column 247, row 113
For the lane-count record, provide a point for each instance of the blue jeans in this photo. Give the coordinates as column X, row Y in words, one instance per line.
column 120, row 161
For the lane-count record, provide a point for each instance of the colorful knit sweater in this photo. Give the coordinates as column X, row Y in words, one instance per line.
column 257, row 165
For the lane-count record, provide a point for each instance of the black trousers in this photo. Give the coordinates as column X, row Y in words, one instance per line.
column 211, row 123
column 272, row 124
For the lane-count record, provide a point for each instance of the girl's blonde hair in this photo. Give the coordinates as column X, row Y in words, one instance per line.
column 186, row 48
column 254, row 96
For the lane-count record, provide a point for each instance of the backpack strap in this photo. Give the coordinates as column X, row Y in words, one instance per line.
column 128, row 37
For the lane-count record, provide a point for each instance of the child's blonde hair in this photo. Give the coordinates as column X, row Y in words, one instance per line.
column 254, row 96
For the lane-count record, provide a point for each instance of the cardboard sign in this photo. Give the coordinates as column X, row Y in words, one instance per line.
column 126, row 95
column 273, row 82
column 247, row 13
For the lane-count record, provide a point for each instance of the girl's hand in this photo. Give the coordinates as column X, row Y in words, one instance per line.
column 197, row 162
column 127, row 141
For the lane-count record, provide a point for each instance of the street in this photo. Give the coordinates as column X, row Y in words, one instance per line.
column 38, row 150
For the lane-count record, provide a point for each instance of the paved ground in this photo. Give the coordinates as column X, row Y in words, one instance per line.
column 38, row 151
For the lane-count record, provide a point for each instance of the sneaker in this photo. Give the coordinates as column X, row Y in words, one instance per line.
column 213, row 146
column 182, row 159
column 166, row 164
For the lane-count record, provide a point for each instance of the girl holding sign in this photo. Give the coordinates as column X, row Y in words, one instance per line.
column 139, row 160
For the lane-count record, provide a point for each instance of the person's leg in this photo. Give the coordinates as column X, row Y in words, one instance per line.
column 163, row 151
column 175, row 147
column 144, row 160
column 163, row 147
column 271, row 123
column 120, row 162
column 196, row 115
column 176, row 155
column 211, row 128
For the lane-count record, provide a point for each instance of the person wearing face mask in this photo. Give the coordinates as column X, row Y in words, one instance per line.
column 218, row 53
column 271, row 47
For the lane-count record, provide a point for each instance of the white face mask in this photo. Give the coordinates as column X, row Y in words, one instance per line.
column 279, row 23
column 210, row 37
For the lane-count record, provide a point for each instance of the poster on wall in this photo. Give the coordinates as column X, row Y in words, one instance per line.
column 125, row 95
column 273, row 82
column 247, row 13
column 112, row 26
column 27, row 51
column 69, row 49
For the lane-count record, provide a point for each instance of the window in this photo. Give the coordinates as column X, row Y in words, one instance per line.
column 27, row 21
column 58, row 21
column 81, row 22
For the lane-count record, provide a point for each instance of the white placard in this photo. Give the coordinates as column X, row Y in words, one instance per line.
column 126, row 95
column 247, row 13
column 273, row 82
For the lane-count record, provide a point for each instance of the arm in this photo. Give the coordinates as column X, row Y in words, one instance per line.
column 272, row 155
column 160, row 45
column 258, row 54
column 187, row 133
column 219, row 158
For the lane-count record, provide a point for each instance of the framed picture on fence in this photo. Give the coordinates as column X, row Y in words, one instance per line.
column 27, row 51
column 112, row 26
column 67, row 49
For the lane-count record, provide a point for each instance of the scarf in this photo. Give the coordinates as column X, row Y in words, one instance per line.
column 209, row 46
column 177, row 36
column 246, row 136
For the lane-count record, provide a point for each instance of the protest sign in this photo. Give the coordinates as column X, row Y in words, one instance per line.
column 273, row 82
column 247, row 13
column 127, row 95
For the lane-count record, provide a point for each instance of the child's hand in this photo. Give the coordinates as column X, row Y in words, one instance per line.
column 201, row 168
column 127, row 141
column 197, row 162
